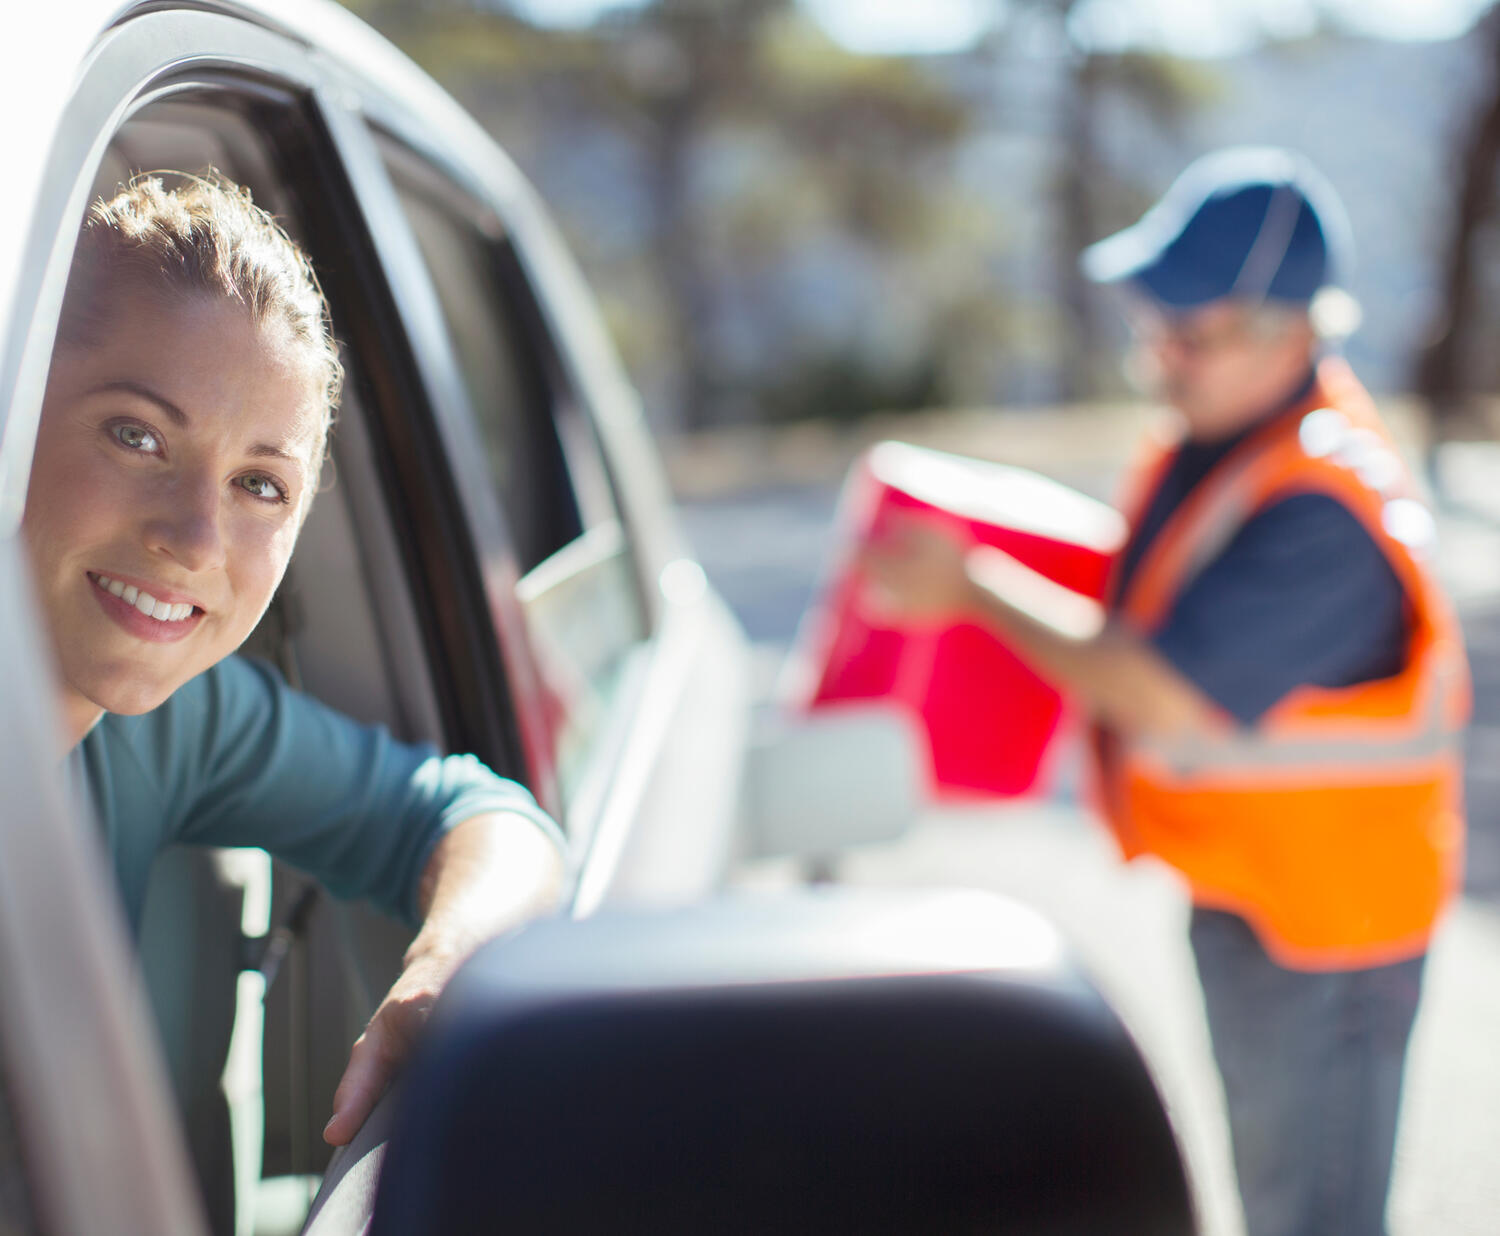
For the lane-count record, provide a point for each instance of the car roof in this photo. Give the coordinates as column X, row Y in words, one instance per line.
column 39, row 69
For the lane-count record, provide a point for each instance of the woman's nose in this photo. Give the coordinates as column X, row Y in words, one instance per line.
column 186, row 524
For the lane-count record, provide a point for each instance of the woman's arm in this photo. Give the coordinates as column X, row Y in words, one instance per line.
column 443, row 843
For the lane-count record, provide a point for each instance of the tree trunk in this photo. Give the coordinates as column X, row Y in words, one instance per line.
column 676, row 248
column 1442, row 375
column 1078, row 353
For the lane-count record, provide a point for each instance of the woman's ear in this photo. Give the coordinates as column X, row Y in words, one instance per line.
column 328, row 475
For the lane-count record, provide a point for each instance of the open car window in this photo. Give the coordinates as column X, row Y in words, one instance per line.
column 405, row 603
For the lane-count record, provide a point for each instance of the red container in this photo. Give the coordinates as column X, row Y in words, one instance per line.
column 990, row 719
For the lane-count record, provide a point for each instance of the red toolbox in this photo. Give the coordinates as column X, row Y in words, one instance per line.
column 990, row 720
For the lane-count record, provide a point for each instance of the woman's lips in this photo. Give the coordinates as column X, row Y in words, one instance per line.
column 127, row 604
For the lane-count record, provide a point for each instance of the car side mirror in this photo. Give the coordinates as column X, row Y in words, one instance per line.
column 831, row 1060
column 820, row 782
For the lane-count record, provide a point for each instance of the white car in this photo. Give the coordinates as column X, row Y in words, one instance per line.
column 496, row 568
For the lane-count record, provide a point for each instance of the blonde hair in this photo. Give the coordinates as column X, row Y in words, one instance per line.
column 202, row 236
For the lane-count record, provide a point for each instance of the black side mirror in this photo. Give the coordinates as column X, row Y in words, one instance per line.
column 834, row 1062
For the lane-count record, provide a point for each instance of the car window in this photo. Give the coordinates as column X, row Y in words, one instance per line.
column 580, row 587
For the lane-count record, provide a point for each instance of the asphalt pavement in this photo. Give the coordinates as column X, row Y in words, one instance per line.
column 765, row 545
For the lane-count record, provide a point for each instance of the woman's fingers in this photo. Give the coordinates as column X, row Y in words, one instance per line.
column 380, row 1052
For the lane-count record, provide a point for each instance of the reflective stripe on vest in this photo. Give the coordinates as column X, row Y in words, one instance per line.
column 1364, row 750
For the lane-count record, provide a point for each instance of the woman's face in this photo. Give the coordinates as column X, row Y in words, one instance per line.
column 173, row 466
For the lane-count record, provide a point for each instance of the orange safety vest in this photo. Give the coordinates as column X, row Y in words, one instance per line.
column 1334, row 825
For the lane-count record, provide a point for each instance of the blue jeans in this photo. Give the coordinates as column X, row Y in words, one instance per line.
column 1312, row 1066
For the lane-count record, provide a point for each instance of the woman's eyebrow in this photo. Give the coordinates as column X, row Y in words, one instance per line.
column 175, row 414
column 261, row 450
column 264, row 450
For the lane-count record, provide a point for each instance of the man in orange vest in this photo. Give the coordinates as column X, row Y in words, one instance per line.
column 1277, row 683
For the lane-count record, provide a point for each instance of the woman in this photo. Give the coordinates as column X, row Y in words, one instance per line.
column 183, row 430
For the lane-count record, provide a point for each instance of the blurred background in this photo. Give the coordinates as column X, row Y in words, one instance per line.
column 820, row 209
column 815, row 224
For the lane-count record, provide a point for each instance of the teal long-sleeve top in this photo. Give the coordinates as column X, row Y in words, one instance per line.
column 237, row 758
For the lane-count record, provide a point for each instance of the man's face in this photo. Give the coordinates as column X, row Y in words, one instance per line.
column 1219, row 366
column 173, row 464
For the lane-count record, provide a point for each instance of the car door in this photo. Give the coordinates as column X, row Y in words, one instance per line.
column 494, row 566
column 87, row 1140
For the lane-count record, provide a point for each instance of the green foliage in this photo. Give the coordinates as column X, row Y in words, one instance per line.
column 760, row 143
column 843, row 387
column 459, row 46
column 1169, row 87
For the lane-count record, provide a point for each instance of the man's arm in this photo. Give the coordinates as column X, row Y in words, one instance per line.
column 486, row 875
column 923, row 573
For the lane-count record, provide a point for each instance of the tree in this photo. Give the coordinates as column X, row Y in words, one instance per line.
column 851, row 154
column 1084, row 186
column 1444, row 373
column 678, row 79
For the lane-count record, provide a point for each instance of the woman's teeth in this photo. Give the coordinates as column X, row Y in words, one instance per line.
column 144, row 601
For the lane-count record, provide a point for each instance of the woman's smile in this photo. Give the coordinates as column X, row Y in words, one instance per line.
column 147, row 615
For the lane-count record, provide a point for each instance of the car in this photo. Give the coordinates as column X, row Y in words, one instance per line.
column 495, row 567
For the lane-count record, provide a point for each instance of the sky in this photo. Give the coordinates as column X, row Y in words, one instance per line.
column 1187, row 27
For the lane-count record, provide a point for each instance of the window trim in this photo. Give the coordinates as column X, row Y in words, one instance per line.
column 614, row 783
column 577, row 357
column 475, row 540
column 536, row 373
column 516, row 284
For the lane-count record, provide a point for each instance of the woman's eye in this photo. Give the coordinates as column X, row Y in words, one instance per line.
column 258, row 485
column 136, row 438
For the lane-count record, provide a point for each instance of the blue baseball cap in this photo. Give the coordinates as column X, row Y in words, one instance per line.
column 1253, row 223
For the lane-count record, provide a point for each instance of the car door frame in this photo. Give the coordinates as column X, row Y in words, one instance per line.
column 100, row 1149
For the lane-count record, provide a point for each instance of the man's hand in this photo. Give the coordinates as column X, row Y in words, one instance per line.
column 923, row 573
column 486, row 876
column 916, row 573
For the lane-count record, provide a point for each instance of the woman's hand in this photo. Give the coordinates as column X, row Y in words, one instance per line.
column 486, row 876
column 386, row 1044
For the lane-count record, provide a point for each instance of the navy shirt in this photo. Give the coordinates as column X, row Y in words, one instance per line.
column 1301, row 595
